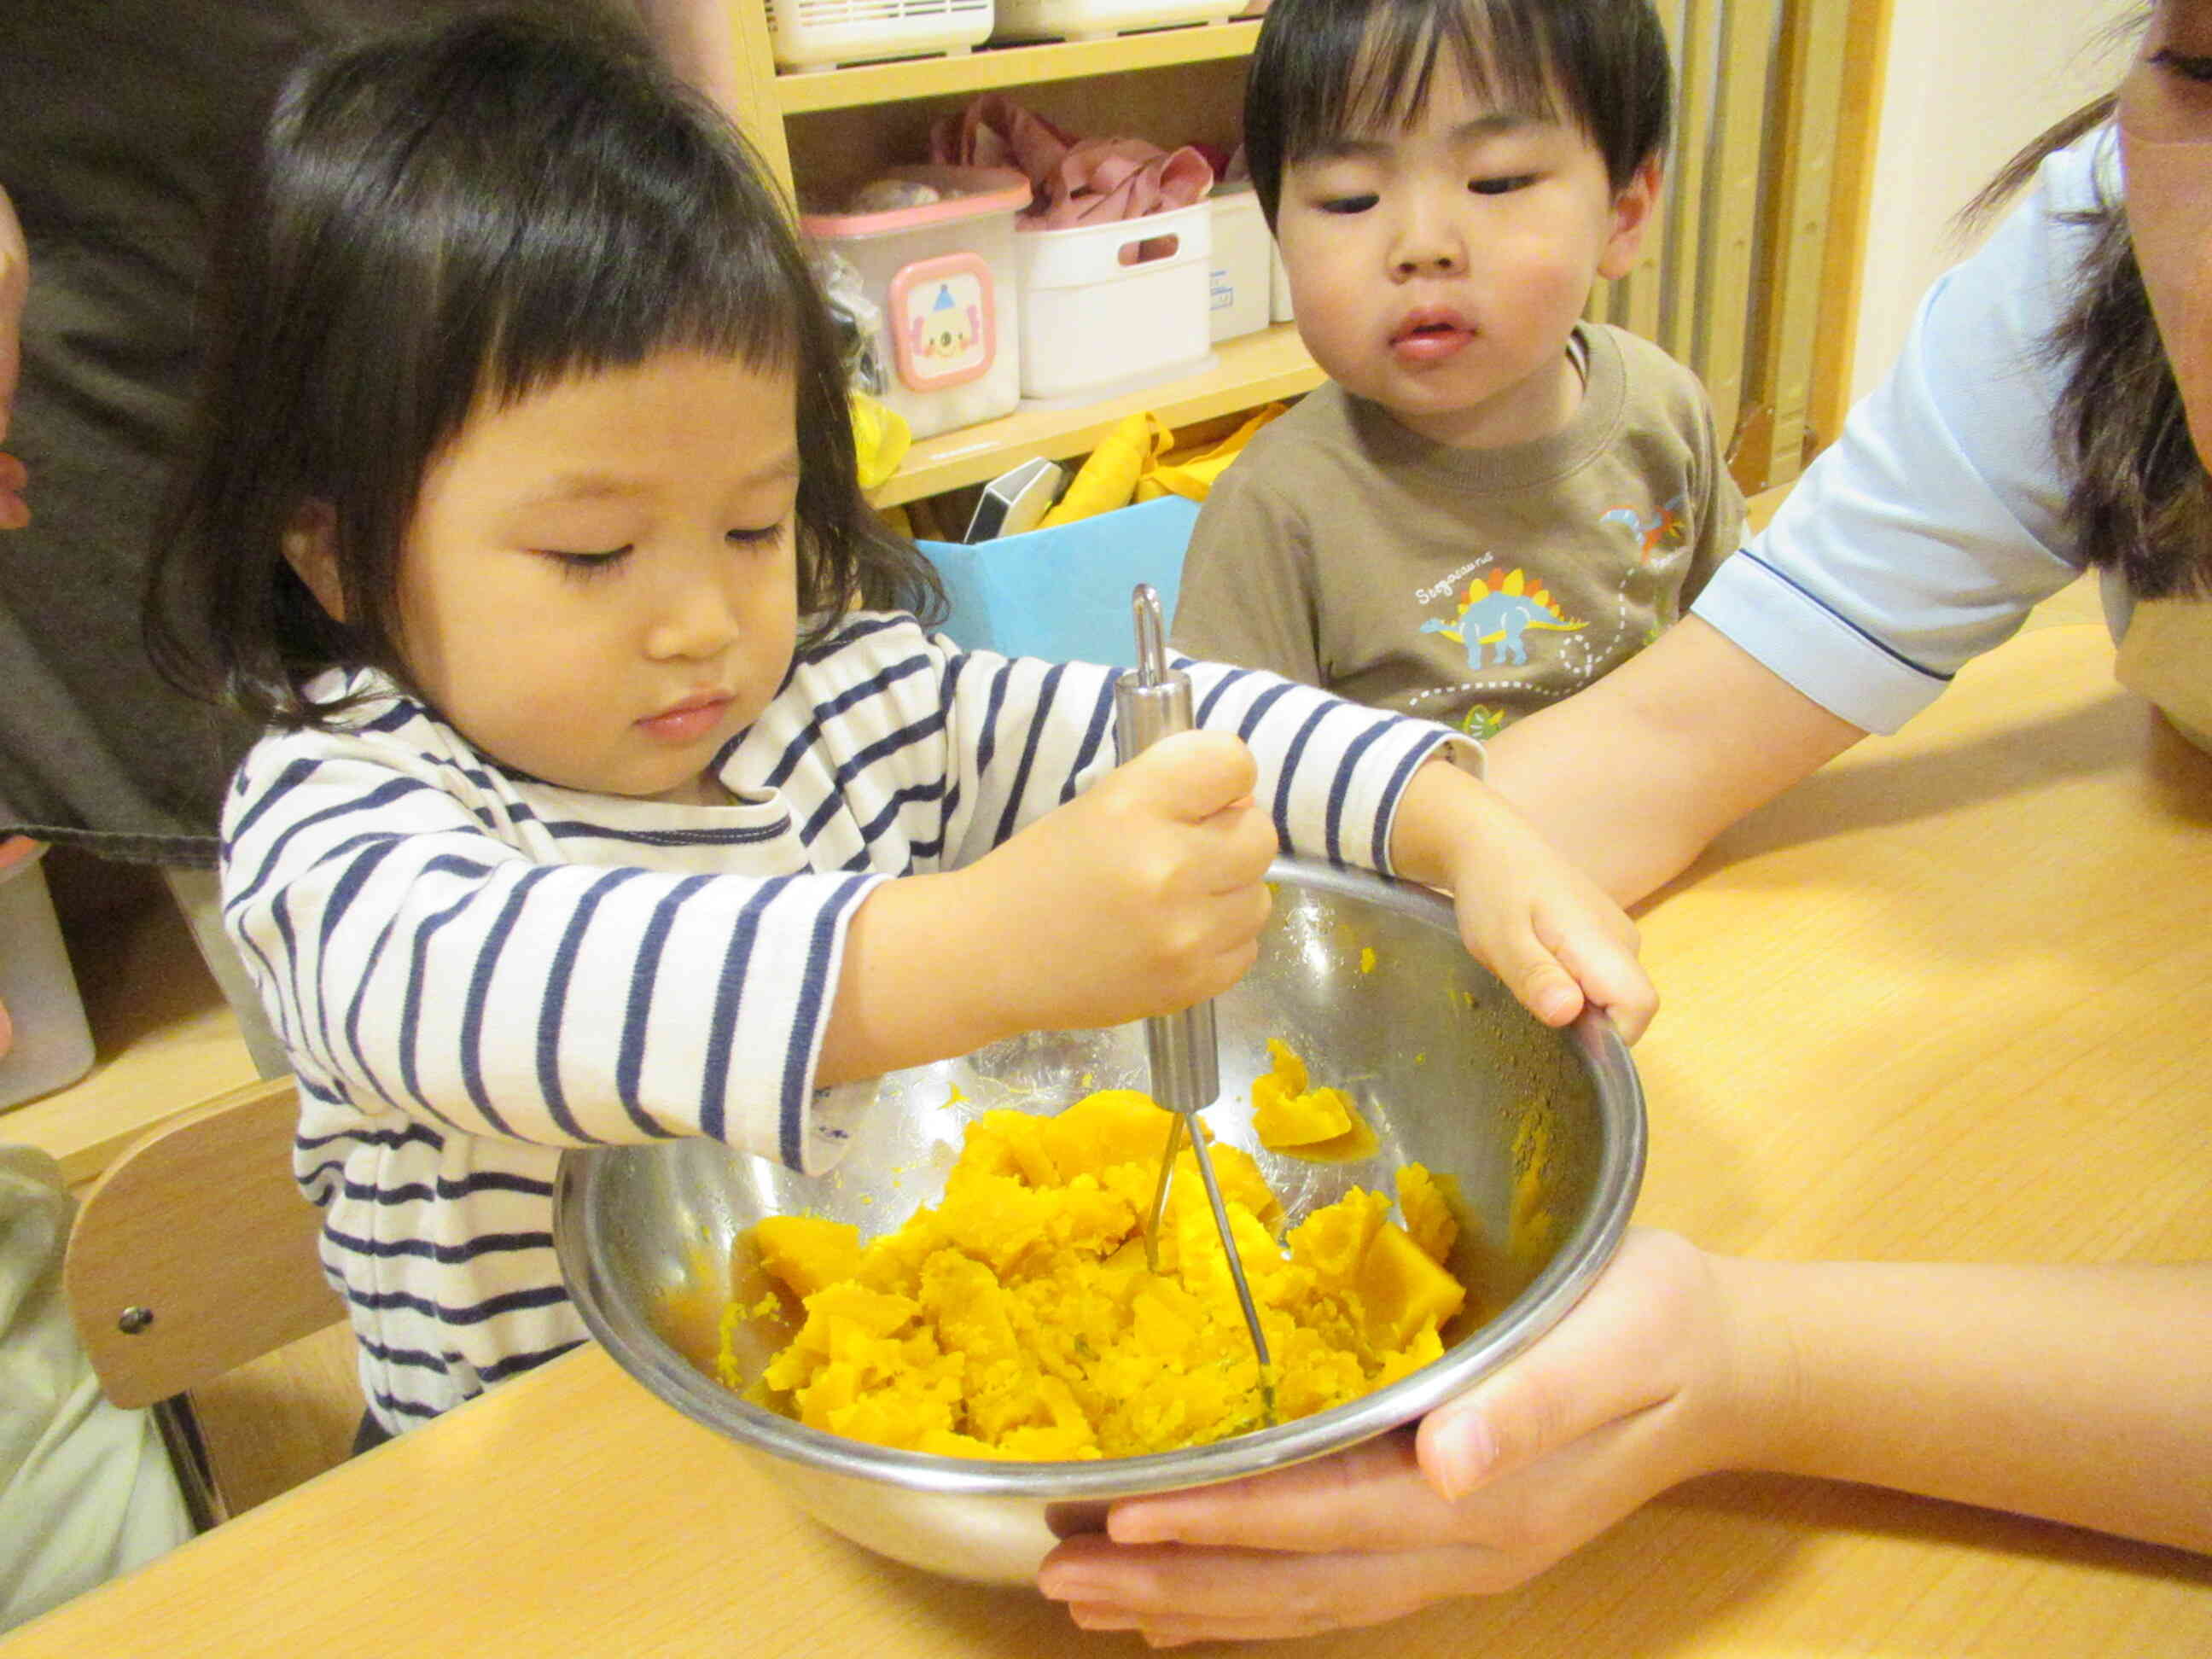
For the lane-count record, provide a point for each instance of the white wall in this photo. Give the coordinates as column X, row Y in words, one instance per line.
column 1968, row 82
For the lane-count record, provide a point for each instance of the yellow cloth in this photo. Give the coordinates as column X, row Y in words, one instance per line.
column 1108, row 478
column 1141, row 460
column 881, row 438
column 1190, row 472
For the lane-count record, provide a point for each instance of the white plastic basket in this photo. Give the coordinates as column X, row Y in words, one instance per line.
column 1241, row 278
column 821, row 34
column 1093, row 19
column 1115, row 305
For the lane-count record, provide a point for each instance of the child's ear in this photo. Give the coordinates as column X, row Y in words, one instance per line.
column 1631, row 213
column 311, row 548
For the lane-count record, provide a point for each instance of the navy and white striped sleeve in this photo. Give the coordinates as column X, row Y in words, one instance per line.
column 408, row 954
column 1331, row 771
column 1028, row 735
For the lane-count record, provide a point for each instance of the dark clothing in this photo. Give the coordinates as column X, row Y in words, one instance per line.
column 121, row 122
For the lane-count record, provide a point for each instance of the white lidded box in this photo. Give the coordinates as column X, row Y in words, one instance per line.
column 942, row 280
column 1115, row 305
column 1237, row 284
column 49, row 1045
column 1280, row 309
column 1094, row 20
column 822, row 34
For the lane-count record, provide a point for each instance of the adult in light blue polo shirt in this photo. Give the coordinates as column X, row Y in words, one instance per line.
column 2051, row 413
column 2032, row 429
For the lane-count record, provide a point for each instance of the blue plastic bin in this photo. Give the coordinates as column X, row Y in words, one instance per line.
column 1063, row 593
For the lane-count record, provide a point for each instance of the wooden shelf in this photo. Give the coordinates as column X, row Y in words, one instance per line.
column 1246, row 372
column 987, row 68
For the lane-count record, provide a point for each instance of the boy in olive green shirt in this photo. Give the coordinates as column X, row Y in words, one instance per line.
column 1494, row 502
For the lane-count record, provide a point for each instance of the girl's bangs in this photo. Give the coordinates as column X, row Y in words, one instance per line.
column 622, row 292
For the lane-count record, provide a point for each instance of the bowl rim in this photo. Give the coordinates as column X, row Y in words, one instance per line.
column 650, row 1359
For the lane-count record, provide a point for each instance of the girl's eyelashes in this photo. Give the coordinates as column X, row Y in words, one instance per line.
column 593, row 564
column 586, row 564
column 1348, row 204
column 1502, row 186
column 2189, row 66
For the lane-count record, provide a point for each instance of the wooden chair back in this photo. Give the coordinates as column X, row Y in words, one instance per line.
column 196, row 1252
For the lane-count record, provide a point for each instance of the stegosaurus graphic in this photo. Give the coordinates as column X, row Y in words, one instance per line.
column 1497, row 611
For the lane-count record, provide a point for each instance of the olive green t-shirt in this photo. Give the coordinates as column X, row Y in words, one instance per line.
column 1467, row 586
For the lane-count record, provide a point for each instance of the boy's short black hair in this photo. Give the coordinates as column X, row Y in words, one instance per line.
column 1326, row 67
column 443, row 216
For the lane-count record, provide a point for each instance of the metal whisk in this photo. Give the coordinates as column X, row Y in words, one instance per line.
column 1150, row 701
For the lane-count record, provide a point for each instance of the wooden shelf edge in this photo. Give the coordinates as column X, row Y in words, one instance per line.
column 84, row 1126
column 988, row 68
column 1256, row 369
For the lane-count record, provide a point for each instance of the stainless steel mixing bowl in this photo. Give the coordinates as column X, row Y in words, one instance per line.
column 1448, row 1070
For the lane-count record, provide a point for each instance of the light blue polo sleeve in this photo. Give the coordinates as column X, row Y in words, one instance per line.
column 1922, row 537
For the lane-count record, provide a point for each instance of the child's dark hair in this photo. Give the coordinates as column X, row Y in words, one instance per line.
column 442, row 217
column 1324, row 69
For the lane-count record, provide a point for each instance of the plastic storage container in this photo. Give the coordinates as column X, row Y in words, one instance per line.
column 941, row 279
column 1239, row 284
column 822, row 34
column 50, row 1046
column 1112, row 306
column 1092, row 19
column 1279, row 287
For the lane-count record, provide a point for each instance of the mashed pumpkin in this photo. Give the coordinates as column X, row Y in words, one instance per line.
column 1018, row 1319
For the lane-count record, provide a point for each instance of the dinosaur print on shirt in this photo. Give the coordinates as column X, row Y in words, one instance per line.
column 1497, row 611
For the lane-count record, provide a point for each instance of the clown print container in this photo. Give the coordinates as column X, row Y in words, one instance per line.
column 927, row 284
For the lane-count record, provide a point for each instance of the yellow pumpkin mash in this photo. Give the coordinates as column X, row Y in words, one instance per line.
column 1017, row 1318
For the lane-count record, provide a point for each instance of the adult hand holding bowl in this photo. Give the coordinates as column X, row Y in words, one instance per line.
column 1540, row 1131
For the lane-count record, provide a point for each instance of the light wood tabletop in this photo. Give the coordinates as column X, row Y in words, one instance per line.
column 1947, row 997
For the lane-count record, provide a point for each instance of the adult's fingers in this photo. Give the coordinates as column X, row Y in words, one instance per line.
column 1175, row 1594
column 1371, row 1497
column 1614, row 1355
column 14, row 287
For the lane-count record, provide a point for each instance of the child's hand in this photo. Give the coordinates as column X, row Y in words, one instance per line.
column 1144, row 895
column 1552, row 936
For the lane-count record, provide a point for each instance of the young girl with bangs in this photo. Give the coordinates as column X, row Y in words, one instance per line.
column 610, row 792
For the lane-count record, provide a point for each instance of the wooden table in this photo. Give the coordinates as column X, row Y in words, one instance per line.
column 1949, row 997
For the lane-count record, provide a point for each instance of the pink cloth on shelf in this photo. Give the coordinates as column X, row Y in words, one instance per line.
column 1077, row 181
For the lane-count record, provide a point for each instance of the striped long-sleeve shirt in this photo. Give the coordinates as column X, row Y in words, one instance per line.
column 472, row 968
